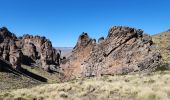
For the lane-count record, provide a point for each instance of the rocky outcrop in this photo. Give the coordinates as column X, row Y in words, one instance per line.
column 15, row 55
column 39, row 51
column 28, row 49
column 72, row 65
column 8, row 49
column 124, row 50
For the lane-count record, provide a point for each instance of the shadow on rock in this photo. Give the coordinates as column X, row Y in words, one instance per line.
column 27, row 60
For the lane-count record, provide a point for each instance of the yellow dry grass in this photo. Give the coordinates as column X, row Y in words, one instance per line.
column 154, row 86
column 163, row 40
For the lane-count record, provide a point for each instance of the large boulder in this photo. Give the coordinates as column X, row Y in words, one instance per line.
column 124, row 50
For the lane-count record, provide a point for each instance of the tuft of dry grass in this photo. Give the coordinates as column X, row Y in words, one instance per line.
column 153, row 86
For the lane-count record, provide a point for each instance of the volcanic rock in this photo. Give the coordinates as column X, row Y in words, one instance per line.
column 101, row 40
column 15, row 55
column 39, row 51
column 8, row 49
column 124, row 50
column 72, row 65
column 29, row 50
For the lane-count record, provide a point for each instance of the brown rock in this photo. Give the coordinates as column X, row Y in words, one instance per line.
column 101, row 40
column 72, row 65
column 125, row 50
column 40, row 51
column 15, row 55
column 8, row 49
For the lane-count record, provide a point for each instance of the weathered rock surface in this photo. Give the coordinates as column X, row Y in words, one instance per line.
column 8, row 49
column 72, row 65
column 39, row 51
column 29, row 50
column 124, row 50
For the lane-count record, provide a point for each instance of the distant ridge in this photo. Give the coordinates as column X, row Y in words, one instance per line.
column 65, row 51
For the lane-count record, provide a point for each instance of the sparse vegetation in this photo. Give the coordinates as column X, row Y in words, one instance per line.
column 162, row 40
column 10, row 81
column 153, row 86
column 51, row 77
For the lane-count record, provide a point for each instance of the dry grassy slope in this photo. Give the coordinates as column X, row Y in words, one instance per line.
column 153, row 86
column 10, row 81
column 51, row 77
column 163, row 41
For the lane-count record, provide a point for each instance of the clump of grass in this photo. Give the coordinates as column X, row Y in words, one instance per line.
column 63, row 95
column 20, row 98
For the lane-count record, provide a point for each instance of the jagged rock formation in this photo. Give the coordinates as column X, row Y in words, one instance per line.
column 72, row 65
column 8, row 49
column 39, row 51
column 123, row 51
column 28, row 49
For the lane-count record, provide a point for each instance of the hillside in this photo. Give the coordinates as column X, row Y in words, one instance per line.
column 153, row 86
column 163, row 44
column 26, row 61
column 125, row 65
column 30, row 77
column 10, row 81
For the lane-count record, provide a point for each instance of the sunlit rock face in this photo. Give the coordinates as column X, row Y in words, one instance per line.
column 28, row 49
column 8, row 49
column 39, row 51
column 123, row 51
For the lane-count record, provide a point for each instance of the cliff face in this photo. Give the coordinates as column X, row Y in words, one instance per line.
column 8, row 49
column 29, row 50
column 123, row 51
column 39, row 51
column 72, row 65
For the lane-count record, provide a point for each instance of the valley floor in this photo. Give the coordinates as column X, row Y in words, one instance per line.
column 154, row 86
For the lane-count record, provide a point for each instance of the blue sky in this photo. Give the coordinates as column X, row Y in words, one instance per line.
column 62, row 21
